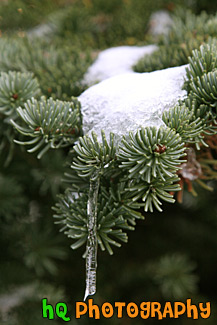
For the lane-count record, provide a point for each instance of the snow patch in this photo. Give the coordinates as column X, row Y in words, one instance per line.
column 160, row 23
column 129, row 101
column 115, row 61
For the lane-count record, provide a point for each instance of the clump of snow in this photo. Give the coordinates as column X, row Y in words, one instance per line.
column 115, row 61
column 160, row 23
column 129, row 101
column 41, row 31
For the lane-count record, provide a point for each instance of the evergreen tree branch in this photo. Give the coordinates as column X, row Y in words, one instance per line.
column 50, row 124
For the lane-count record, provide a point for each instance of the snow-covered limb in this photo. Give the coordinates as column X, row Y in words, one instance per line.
column 129, row 101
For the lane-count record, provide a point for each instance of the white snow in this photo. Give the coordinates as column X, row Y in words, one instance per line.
column 115, row 61
column 40, row 31
column 160, row 23
column 129, row 101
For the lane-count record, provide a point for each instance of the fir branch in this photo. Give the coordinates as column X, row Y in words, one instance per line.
column 59, row 68
column 72, row 214
column 42, row 248
column 122, row 200
column 51, row 124
column 152, row 152
column 204, row 89
column 15, row 89
column 12, row 200
column 76, row 183
column 175, row 275
column 187, row 33
column 93, row 155
column 154, row 191
column 183, row 122
column 9, row 49
column 201, row 61
column 207, row 116
column 166, row 56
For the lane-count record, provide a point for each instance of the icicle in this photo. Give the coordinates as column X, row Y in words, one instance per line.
column 91, row 249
